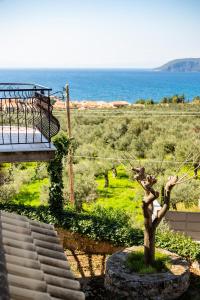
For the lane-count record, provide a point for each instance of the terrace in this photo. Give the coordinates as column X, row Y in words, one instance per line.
column 26, row 123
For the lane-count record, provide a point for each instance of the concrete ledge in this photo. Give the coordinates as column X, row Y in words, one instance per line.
column 27, row 156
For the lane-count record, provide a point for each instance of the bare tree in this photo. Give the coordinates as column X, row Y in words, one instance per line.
column 150, row 221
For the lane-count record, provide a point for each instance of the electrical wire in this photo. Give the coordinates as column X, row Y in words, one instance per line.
column 137, row 160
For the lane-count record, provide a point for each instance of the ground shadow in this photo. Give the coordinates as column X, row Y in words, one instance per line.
column 86, row 264
column 89, row 269
column 22, row 197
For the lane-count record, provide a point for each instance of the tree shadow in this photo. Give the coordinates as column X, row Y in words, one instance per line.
column 26, row 197
column 105, row 194
column 79, row 265
column 89, row 269
column 86, row 265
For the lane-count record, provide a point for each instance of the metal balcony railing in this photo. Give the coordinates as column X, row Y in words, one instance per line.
column 26, row 114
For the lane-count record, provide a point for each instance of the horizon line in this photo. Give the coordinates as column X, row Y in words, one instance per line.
column 75, row 67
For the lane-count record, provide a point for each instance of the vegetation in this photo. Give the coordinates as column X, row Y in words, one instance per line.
column 174, row 99
column 99, row 224
column 108, row 146
column 196, row 100
column 135, row 262
column 123, row 194
column 108, row 225
column 145, row 101
column 55, row 170
column 177, row 243
column 106, row 141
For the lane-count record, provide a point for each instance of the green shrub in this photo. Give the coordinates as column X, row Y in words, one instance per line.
column 100, row 224
column 177, row 243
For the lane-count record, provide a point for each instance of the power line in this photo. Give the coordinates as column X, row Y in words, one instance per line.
column 136, row 160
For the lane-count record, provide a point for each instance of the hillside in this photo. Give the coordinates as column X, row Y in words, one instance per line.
column 181, row 65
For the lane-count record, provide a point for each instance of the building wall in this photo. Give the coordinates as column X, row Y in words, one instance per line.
column 186, row 222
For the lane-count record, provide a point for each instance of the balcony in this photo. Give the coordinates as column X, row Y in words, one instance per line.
column 27, row 124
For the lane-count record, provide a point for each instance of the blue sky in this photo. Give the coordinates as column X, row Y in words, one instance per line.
column 97, row 33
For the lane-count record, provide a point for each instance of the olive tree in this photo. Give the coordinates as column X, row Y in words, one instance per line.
column 188, row 150
column 187, row 194
column 151, row 222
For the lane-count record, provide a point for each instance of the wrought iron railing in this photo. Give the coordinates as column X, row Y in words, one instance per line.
column 26, row 114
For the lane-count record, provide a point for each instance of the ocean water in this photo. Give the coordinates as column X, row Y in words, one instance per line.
column 109, row 84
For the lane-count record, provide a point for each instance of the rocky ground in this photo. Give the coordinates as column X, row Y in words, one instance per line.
column 90, row 269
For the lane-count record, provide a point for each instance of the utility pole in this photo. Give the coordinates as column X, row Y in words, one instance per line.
column 70, row 152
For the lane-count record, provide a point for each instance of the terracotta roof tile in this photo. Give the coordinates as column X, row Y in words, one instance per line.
column 33, row 265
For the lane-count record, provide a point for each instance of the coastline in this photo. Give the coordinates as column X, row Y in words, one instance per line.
column 81, row 105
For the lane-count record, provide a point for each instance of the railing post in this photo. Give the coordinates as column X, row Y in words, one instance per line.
column 70, row 152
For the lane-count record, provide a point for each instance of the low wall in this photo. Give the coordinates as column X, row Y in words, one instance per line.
column 186, row 222
column 75, row 241
column 124, row 284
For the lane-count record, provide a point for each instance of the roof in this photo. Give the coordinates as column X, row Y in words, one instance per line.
column 32, row 262
column 119, row 103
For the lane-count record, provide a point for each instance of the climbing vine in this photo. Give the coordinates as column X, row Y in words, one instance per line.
column 55, row 170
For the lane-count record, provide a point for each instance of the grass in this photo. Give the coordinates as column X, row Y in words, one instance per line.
column 122, row 194
column 34, row 193
column 135, row 262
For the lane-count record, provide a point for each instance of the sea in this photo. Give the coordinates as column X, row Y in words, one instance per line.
column 109, row 84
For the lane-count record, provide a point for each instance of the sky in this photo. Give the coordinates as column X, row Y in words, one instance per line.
column 97, row 33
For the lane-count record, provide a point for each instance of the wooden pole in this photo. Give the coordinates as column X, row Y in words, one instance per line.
column 70, row 152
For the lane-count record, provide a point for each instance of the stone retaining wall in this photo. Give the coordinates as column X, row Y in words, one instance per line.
column 124, row 284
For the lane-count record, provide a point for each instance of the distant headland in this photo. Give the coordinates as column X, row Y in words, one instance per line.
column 181, row 65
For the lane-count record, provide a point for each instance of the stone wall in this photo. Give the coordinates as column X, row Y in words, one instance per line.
column 124, row 284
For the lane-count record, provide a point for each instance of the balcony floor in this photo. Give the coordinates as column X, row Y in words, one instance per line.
column 25, row 145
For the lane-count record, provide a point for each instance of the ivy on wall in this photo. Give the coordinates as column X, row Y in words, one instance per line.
column 55, row 170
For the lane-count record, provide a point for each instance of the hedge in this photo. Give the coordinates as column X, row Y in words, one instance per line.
column 102, row 224
column 109, row 225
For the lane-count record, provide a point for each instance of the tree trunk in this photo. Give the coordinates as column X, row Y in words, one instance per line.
column 2, row 174
column 174, row 206
column 149, row 234
column 196, row 170
column 162, row 195
column 106, row 184
column 114, row 172
column 78, row 205
column 149, row 246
